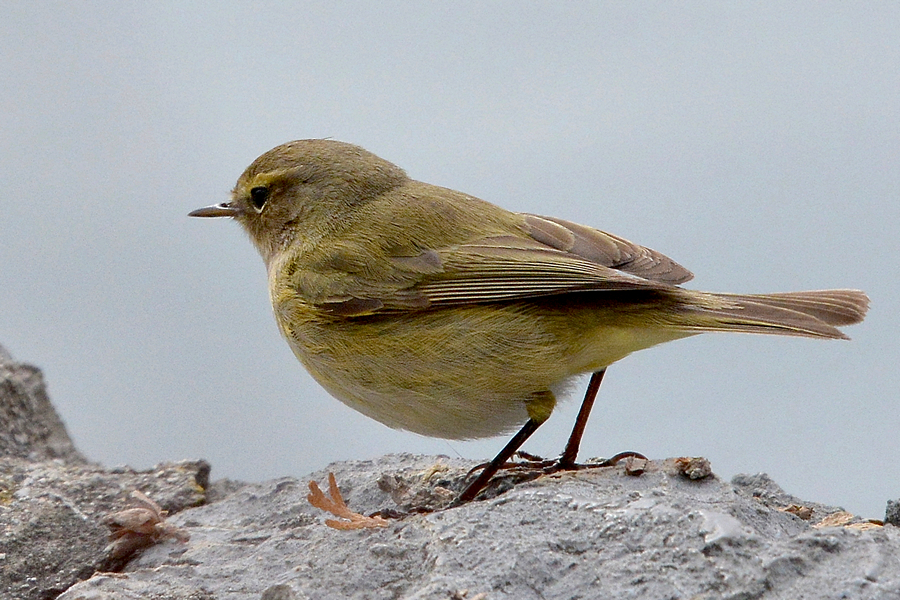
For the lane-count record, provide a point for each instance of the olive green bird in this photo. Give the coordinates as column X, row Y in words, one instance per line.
column 434, row 311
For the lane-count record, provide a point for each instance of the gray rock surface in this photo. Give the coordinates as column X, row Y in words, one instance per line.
column 892, row 513
column 29, row 425
column 589, row 534
column 52, row 518
column 54, row 505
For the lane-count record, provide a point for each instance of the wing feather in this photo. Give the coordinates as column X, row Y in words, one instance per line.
column 506, row 268
column 605, row 249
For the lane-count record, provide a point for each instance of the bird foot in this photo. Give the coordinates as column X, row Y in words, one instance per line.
column 528, row 462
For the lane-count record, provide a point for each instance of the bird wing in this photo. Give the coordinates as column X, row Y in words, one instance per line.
column 552, row 257
column 604, row 249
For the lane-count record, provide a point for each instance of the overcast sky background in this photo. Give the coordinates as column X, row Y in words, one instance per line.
column 756, row 143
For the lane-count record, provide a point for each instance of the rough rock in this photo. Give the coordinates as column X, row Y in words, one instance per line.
column 892, row 513
column 29, row 425
column 52, row 517
column 54, row 505
column 596, row 533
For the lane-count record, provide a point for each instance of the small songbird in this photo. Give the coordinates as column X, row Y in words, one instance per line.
column 434, row 311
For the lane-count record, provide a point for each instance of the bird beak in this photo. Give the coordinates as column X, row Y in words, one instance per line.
column 217, row 210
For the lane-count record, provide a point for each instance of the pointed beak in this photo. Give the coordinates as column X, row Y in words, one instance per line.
column 217, row 210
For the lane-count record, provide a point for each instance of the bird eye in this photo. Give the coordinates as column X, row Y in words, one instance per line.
column 258, row 197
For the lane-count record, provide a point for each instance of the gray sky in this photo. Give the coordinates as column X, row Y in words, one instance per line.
column 757, row 144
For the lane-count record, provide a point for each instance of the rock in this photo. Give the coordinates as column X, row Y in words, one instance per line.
column 29, row 425
column 54, row 504
column 596, row 533
column 892, row 513
column 52, row 517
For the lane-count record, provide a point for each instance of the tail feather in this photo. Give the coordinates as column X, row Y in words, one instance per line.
column 809, row 314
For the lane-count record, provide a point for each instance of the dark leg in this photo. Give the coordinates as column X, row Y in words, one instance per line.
column 567, row 460
column 491, row 469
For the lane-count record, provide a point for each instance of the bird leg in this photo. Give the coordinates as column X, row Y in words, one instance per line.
column 495, row 465
column 566, row 462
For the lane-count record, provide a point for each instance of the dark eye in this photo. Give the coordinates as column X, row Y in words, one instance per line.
column 258, row 197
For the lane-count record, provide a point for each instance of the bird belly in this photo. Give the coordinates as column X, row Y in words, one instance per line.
column 458, row 373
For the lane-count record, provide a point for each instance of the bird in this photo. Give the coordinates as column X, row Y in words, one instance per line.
column 433, row 311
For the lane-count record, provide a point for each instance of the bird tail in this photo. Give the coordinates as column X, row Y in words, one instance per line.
column 816, row 314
